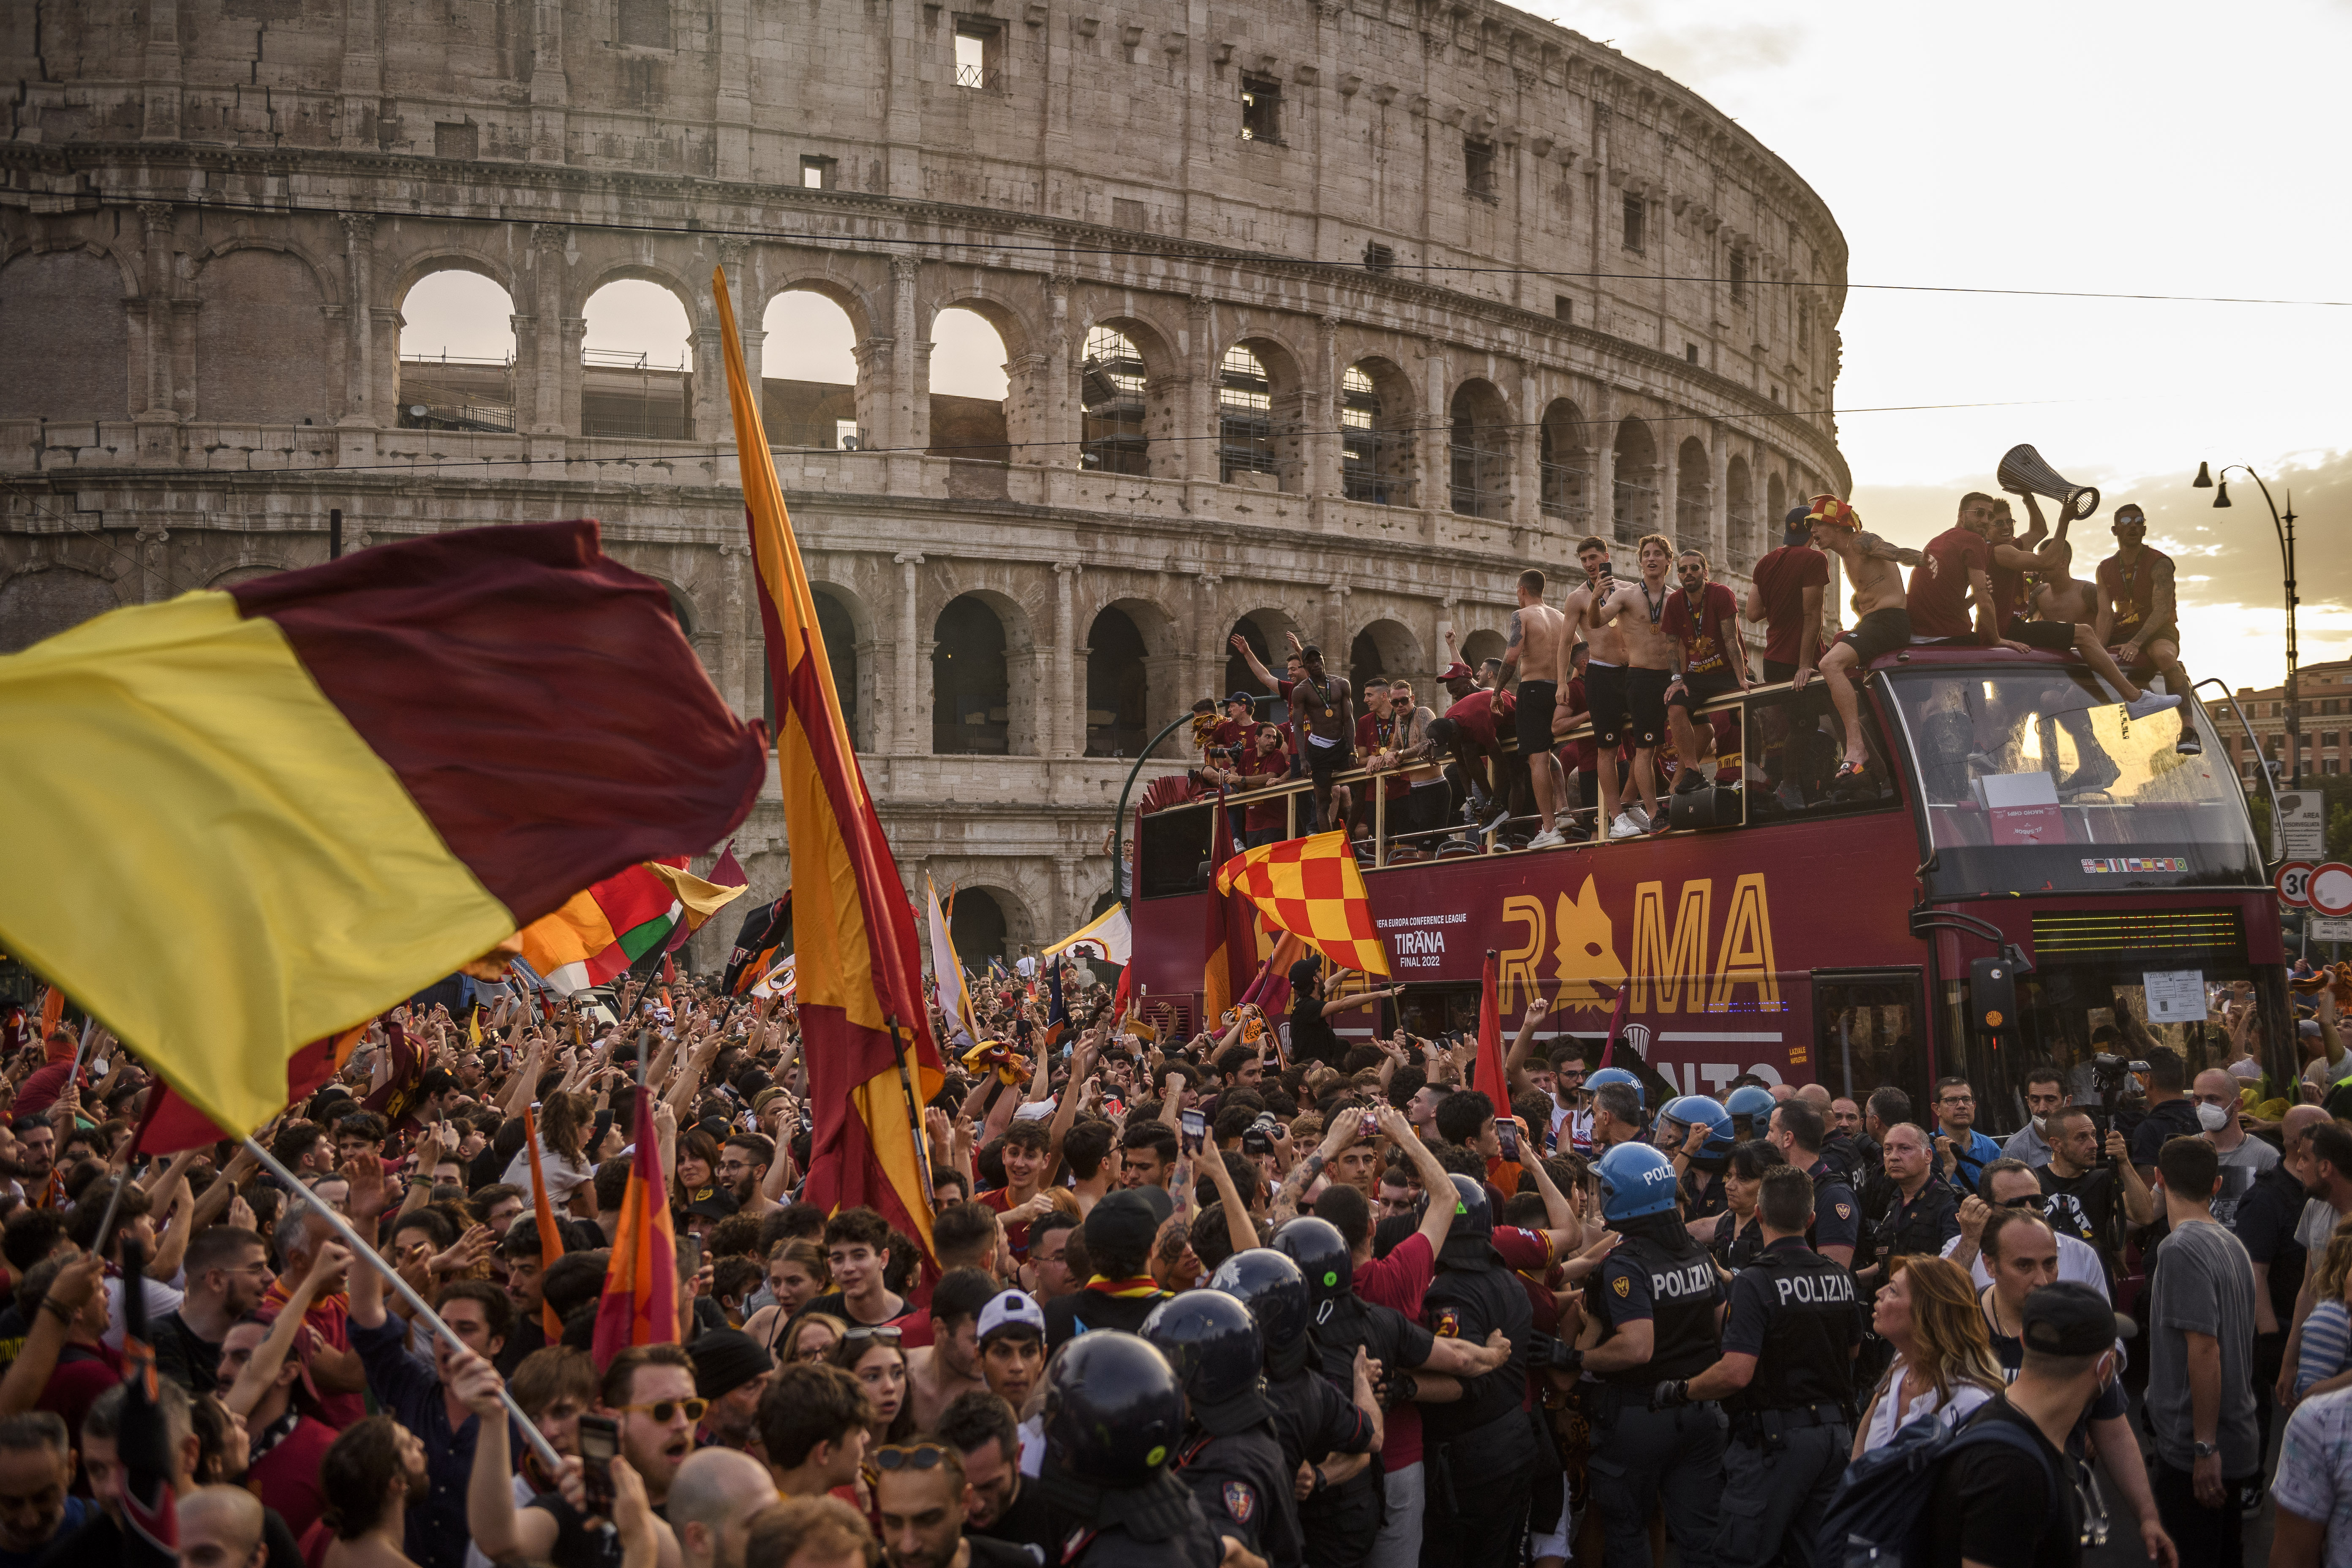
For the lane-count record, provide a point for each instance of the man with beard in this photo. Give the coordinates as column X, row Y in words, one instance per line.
column 998, row 1502
column 949, row 1365
column 918, row 1491
column 373, row 1476
column 1638, row 609
column 226, row 1273
column 36, row 1468
column 743, row 1162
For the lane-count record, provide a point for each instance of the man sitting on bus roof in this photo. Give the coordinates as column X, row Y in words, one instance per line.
column 1879, row 598
column 2138, row 618
column 1470, row 732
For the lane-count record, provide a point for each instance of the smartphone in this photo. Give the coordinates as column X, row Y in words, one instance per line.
column 1369, row 1126
column 1507, row 1133
column 600, row 1441
column 1196, row 1128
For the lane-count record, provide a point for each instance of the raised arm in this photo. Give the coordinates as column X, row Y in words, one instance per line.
column 1438, row 1218
column 261, row 1369
column 1249, row 657
column 1515, row 1061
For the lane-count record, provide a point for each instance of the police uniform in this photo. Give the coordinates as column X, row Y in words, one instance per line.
column 1243, row 1483
column 1894, row 1228
column 1837, row 1213
column 1480, row 1450
column 1736, row 1247
column 1315, row 1421
column 1192, row 1544
column 1703, row 1194
column 1792, row 1427
column 1341, row 1523
column 1638, row 1452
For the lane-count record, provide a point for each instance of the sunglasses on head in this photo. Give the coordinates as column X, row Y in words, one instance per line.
column 886, row 1333
column 661, row 1410
column 909, row 1456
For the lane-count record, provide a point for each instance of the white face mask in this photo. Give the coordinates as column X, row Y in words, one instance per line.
column 2212, row 1117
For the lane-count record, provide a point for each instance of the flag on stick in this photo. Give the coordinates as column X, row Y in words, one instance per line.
column 1311, row 887
column 550, row 1238
column 1616, row 1025
column 947, row 975
column 236, row 828
column 1108, row 936
column 602, row 930
column 639, row 1306
column 1488, row 1069
column 728, row 873
column 866, row 1026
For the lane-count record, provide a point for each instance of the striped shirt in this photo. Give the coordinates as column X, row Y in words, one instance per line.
column 2326, row 1345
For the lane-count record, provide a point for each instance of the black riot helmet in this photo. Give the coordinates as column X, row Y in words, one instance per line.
column 1472, row 1240
column 1213, row 1344
column 1113, row 1411
column 1275, row 1291
column 1321, row 1254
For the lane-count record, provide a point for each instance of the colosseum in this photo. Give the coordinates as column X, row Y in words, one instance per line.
column 1324, row 316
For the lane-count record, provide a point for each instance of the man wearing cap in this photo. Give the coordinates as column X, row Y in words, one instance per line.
column 2200, row 1392
column 1265, row 762
column 731, row 1371
column 1119, row 1293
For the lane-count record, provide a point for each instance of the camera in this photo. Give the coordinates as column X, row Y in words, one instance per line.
column 2111, row 1076
column 1256, row 1139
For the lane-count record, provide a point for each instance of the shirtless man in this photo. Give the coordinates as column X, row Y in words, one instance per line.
column 1638, row 609
column 1604, row 678
column 1537, row 644
column 1323, row 710
column 2012, row 559
column 1874, row 569
column 2136, row 603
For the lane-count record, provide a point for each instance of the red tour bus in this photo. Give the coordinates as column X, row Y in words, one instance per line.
column 2012, row 817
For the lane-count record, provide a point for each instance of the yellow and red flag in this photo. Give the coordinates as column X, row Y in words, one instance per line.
column 639, row 1306
column 600, row 930
column 244, row 820
column 550, row 1238
column 1310, row 887
column 864, row 1023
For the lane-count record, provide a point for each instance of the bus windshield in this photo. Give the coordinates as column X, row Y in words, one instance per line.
column 2032, row 779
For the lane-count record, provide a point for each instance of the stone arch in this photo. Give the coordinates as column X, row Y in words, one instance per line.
column 436, row 390
column 984, row 679
column 1376, row 432
column 813, row 391
column 844, row 644
column 1693, row 495
column 1481, row 646
column 972, row 426
column 283, row 375
column 1566, row 467
column 1382, row 648
column 1635, row 505
column 1746, row 532
column 41, row 601
column 863, row 309
column 62, row 310
column 1478, row 449
column 1776, row 499
column 991, row 920
column 634, row 393
column 1118, row 685
column 1279, row 402
column 452, row 255
column 1131, row 408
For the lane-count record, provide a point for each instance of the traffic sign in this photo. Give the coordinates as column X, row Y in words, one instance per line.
column 2328, row 930
column 2293, row 884
column 2330, row 890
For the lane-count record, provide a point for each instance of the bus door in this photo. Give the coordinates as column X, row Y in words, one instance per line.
column 1870, row 1030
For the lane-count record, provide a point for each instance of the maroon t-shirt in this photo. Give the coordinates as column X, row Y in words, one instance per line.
column 1273, row 812
column 1479, row 712
column 1379, row 734
column 1938, row 600
column 1703, row 652
column 1781, row 579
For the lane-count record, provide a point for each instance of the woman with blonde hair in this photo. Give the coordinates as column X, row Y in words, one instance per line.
column 2325, row 1362
column 1944, row 1366
column 810, row 1337
column 797, row 1275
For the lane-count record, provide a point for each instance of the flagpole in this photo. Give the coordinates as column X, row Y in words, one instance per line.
column 362, row 1250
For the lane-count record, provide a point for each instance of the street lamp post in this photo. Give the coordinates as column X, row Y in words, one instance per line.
column 2284, row 525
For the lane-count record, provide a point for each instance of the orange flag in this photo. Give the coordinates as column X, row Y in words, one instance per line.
column 639, row 1306
column 551, row 1236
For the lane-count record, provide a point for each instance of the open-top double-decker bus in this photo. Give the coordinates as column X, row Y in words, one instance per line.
column 2014, row 827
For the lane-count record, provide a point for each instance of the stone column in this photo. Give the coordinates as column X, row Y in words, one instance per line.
column 1527, row 455
column 1670, row 467
column 1335, row 639
column 1718, row 510
column 733, row 116
column 1604, row 466
column 713, row 420
column 912, row 718
column 910, row 424
column 1064, row 730
column 735, row 256
column 157, row 442
column 547, row 248
column 359, row 404
column 154, row 563
column 1199, row 454
column 1325, row 460
column 161, row 71
column 551, row 90
column 734, row 638
column 1057, row 409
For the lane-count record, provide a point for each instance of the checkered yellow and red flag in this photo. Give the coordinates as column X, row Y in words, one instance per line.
column 1311, row 889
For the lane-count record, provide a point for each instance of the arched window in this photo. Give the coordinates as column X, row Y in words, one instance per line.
column 273, row 377
column 976, row 929
column 1263, row 630
column 1111, row 391
column 841, row 652
column 1746, row 530
column 1481, row 452
column 1245, row 416
column 637, row 376
column 1694, row 495
column 62, row 310
column 1375, row 445
column 808, row 372
column 971, row 694
column 1116, row 687
column 456, row 354
column 1566, row 464
column 1636, row 481
column 968, row 388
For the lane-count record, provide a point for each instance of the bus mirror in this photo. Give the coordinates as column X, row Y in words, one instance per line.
column 1992, row 993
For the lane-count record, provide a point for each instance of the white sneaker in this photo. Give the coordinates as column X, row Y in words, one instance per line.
column 1549, row 838
column 2150, row 702
column 1626, row 828
column 1639, row 815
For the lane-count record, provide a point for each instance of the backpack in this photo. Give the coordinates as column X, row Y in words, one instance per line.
column 1878, row 1515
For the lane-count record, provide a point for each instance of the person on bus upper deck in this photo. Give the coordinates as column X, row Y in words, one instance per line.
column 1538, row 646
column 1263, row 764
column 1790, row 584
column 1639, row 609
column 1879, row 599
column 1797, row 1129
column 2012, row 563
column 1956, row 566
column 2137, row 606
column 1606, row 679
column 1323, row 707
column 1961, row 1151
column 1580, row 760
column 1709, row 662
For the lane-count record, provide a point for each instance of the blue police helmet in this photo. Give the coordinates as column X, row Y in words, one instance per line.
column 1691, row 1110
column 1754, row 1102
column 1636, row 1180
column 1616, row 1075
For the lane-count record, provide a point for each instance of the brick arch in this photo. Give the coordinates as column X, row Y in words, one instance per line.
column 452, row 254
column 61, row 309
column 263, row 353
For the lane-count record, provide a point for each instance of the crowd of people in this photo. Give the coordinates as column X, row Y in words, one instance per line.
column 1630, row 664
column 1259, row 1295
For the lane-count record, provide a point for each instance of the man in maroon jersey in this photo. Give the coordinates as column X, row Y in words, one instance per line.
column 1704, row 621
column 1791, row 583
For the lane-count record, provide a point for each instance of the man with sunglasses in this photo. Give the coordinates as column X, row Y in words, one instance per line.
column 2011, row 1184
column 919, row 1496
column 2138, row 617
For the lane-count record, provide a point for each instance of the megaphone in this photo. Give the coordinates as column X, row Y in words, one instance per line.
column 2022, row 472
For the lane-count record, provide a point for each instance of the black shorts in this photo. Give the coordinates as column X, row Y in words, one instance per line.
column 1646, row 694
column 1322, row 761
column 1534, row 715
column 1604, row 688
column 1704, row 688
column 1775, row 672
column 1878, row 634
column 2049, row 636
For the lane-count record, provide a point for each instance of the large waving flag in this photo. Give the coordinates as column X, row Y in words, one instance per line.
column 760, row 941
column 241, row 822
column 600, row 930
column 865, row 1024
column 728, row 873
column 639, row 1306
column 947, row 974
column 1108, row 936
column 1310, row 887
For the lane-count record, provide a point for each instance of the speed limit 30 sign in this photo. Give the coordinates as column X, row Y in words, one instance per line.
column 2293, row 884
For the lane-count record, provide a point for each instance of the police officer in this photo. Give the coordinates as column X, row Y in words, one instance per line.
column 1230, row 1458
column 1906, row 1211
column 1787, row 1380
column 1482, row 1450
column 1797, row 1129
column 1653, row 1303
column 1750, row 1109
column 1327, row 1437
column 1696, row 1132
column 1113, row 1416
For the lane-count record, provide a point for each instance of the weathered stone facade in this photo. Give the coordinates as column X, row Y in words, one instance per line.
column 1558, row 275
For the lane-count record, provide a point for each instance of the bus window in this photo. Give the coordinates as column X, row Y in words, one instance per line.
column 1793, row 750
column 2032, row 777
column 1869, row 1034
column 1173, row 846
column 2090, row 1021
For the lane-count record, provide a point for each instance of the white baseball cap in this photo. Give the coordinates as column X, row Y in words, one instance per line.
column 1011, row 1308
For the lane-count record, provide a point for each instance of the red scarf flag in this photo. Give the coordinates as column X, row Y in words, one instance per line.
column 865, row 1024
column 639, row 1306
column 550, row 1238
column 1616, row 1025
column 1489, row 1066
